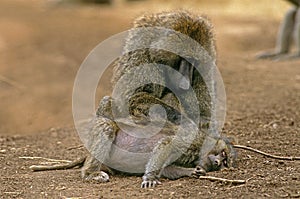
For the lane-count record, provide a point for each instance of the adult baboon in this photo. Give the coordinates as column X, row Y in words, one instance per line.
column 289, row 30
column 175, row 150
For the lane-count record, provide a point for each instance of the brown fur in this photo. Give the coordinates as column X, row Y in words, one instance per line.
column 164, row 159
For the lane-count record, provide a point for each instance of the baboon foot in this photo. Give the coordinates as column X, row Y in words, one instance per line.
column 99, row 176
column 270, row 55
column 287, row 57
column 150, row 181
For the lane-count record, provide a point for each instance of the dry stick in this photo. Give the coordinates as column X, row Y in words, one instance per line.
column 75, row 147
column 274, row 122
column 12, row 192
column 77, row 162
column 266, row 154
column 211, row 178
column 47, row 159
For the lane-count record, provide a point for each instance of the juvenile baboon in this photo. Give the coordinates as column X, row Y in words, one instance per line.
column 175, row 150
column 161, row 147
column 289, row 30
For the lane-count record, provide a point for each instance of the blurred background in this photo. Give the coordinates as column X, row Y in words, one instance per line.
column 43, row 43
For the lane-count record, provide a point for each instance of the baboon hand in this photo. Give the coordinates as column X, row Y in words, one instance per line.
column 198, row 171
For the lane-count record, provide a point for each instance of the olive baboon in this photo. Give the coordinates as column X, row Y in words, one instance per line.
column 289, row 28
column 175, row 150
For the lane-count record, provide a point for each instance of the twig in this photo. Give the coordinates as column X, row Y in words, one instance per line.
column 274, row 122
column 77, row 162
column 211, row 178
column 266, row 154
column 12, row 192
column 75, row 147
column 237, row 186
column 79, row 197
column 47, row 159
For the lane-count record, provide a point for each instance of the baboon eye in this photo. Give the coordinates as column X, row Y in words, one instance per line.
column 225, row 163
column 223, row 153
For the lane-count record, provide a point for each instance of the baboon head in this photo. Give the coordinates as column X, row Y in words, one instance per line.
column 222, row 156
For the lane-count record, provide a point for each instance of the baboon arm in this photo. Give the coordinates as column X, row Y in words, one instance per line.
column 102, row 132
column 174, row 172
column 166, row 152
column 141, row 102
column 102, row 135
column 94, row 170
column 162, row 156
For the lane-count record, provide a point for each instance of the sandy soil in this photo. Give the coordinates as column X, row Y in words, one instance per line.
column 41, row 48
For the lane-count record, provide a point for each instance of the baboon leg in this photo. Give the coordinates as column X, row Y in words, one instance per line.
column 296, row 35
column 284, row 36
column 94, row 170
column 286, row 32
column 297, row 32
column 102, row 134
column 158, row 159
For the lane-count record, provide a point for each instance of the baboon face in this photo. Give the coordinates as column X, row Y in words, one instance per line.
column 183, row 82
column 222, row 156
column 186, row 69
column 217, row 162
column 183, row 65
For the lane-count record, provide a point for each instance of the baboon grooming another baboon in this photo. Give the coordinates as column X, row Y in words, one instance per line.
column 289, row 30
column 175, row 150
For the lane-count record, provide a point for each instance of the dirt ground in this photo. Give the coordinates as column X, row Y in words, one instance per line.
column 42, row 45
